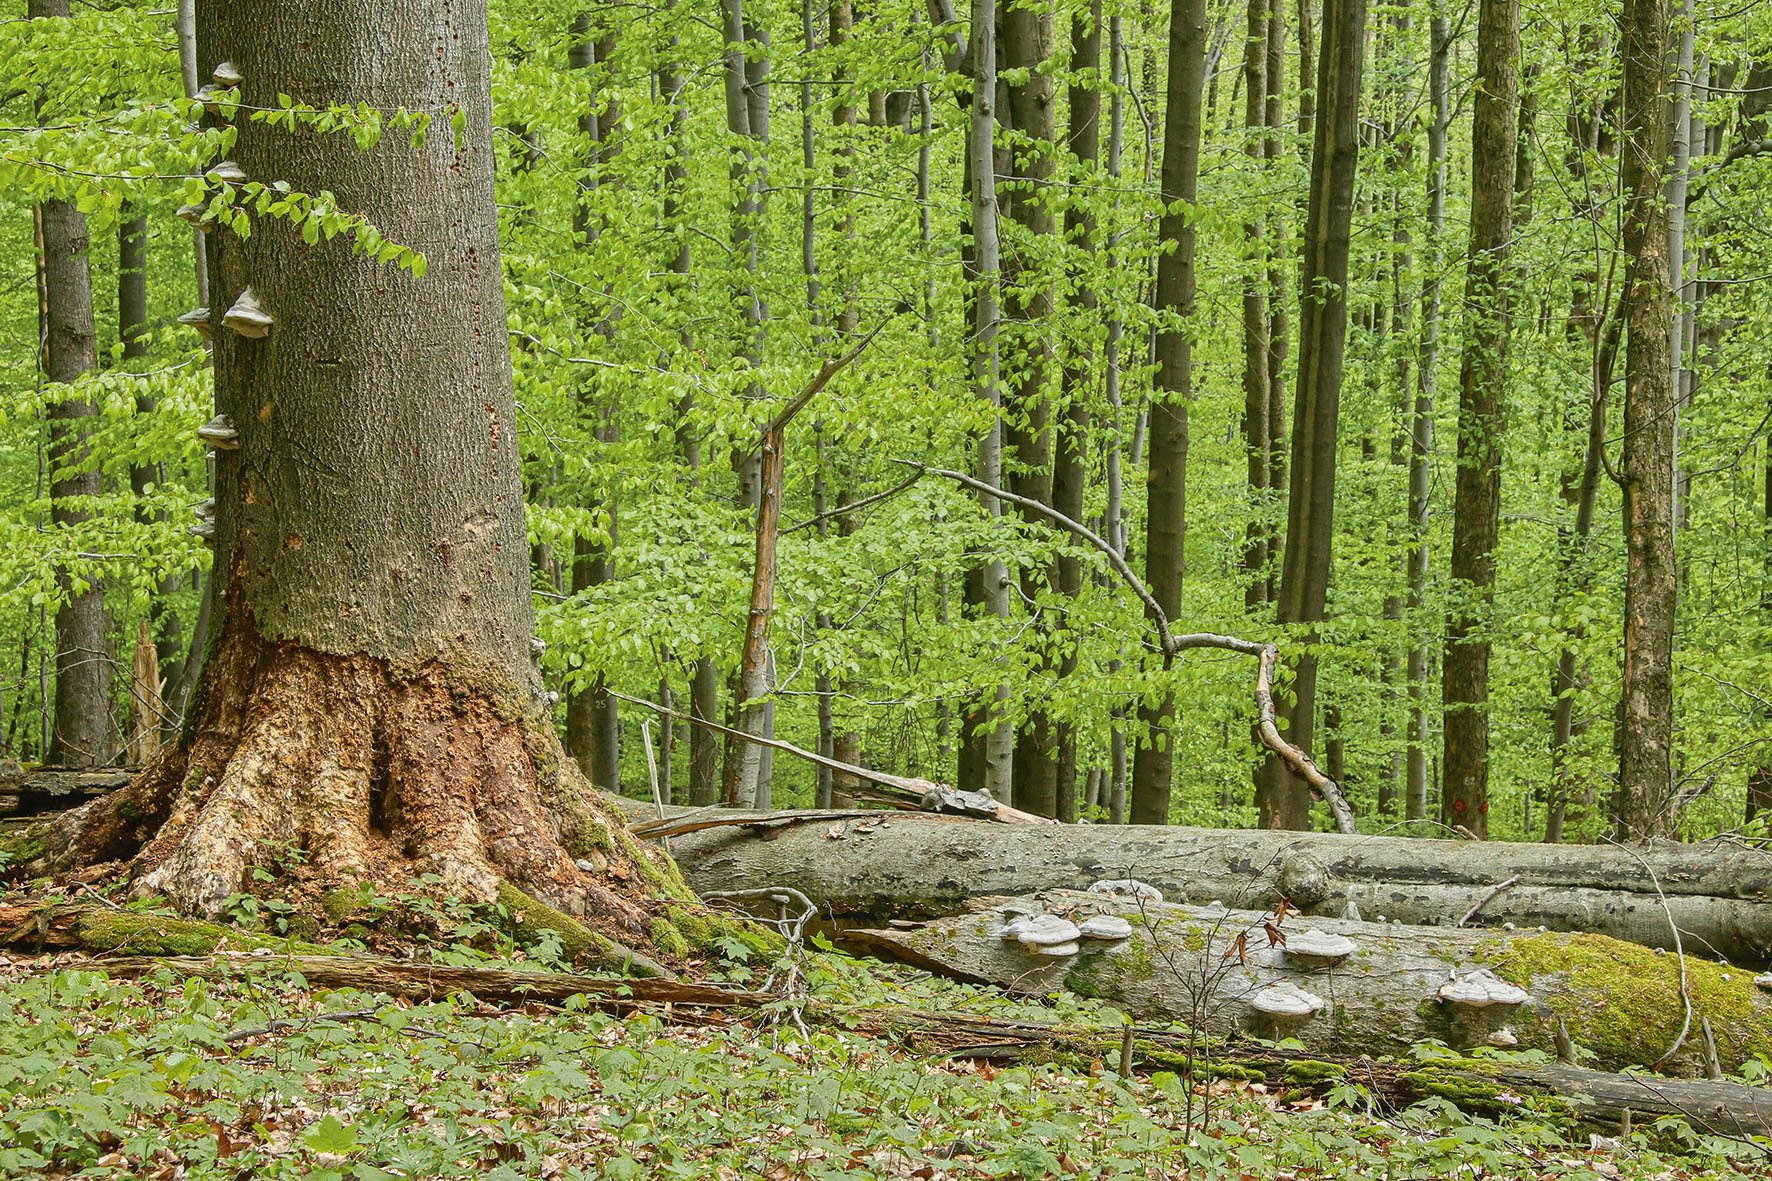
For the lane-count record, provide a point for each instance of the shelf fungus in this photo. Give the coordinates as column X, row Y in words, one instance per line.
column 1127, row 888
column 1317, row 949
column 227, row 171
column 1284, row 1006
column 1481, row 989
column 205, row 509
column 210, row 97
column 537, row 647
column 197, row 215
column 1105, row 926
column 198, row 318
column 247, row 318
column 219, row 433
column 203, row 529
column 1045, row 934
column 228, row 74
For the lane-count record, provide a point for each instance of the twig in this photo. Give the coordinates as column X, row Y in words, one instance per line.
column 844, row 510
column 652, row 770
column 1491, row 896
column 1171, row 645
column 1679, row 950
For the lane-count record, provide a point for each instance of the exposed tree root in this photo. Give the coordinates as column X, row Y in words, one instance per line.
column 333, row 771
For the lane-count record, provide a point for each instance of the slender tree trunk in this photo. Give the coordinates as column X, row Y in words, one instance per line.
column 372, row 700
column 1069, row 468
column 1282, row 799
column 1027, row 305
column 593, row 731
column 1651, row 585
column 704, row 678
column 1279, row 320
column 1166, row 506
column 1476, row 519
column 83, row 735
column 1116, row 513
column 986, row 760
column 1256, row 326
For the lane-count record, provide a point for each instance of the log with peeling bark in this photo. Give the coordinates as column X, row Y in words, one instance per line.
column 24, row 792
column 1483, row 1087
column 915, row 868
column 1344, row 986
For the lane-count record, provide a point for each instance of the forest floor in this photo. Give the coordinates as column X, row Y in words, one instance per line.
column 260, row 1075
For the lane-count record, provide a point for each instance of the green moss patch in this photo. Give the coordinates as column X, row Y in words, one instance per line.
column 1622, row 1000
column 132, row 933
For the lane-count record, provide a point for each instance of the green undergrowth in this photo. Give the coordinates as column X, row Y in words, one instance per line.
column 102, row 1078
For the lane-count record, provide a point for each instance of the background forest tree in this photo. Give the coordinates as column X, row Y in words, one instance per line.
column 700, row 207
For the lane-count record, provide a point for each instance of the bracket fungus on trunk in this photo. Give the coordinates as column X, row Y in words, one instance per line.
column 228, row 74
column 247, row 318
column 1480, row 1003
column 226, row 172
column 1317, row 949
column 197, row 215
column 1283, row 1007
column 1105, row 926
column 219, row 433
column 1127, row 888
column 1045, row 934
column 198, row 318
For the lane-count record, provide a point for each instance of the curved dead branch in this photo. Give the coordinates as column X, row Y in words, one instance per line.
column 1170, row 645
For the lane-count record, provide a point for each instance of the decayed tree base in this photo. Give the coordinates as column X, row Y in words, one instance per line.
column 340, row 771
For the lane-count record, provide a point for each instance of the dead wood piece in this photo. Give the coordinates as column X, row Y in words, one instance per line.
column 56, row 789
column 1228, row 971
column 920, row 867
column 1485, row 1087
column 897, row 791
column 417, row 981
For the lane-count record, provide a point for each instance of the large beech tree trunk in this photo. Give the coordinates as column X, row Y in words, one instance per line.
column 1619, row 1002
column 372, row 698
column 916, row 867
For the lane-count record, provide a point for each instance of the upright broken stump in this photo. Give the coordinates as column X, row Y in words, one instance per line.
column 1343, row 986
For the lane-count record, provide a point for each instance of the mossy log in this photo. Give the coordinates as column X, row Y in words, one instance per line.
column 418, row 981
column 1481, row 1086
column 1619, row 1003
column 913, row 867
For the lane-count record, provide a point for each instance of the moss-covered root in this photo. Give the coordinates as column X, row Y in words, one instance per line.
column 125, row 932
column 530, row 918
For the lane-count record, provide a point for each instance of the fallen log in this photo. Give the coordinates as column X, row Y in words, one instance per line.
column 1343, row 986
column 55, row 789
column 1488, row 1086
column 913, row 867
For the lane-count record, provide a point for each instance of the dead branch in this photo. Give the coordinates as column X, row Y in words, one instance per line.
column 1171, row 645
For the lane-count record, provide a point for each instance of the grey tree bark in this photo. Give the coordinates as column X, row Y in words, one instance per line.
column 1283, row 799
column 1166, row 506
column 1476, row 513
column 1646, row 469
column 372, row 700
column 84, row 735
column 1207, row 967
column 918, row 867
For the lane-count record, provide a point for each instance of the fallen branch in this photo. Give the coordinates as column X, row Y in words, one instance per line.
column 421, row 981
column 1171, row 645
column 906, row 793
column 1486, row 899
